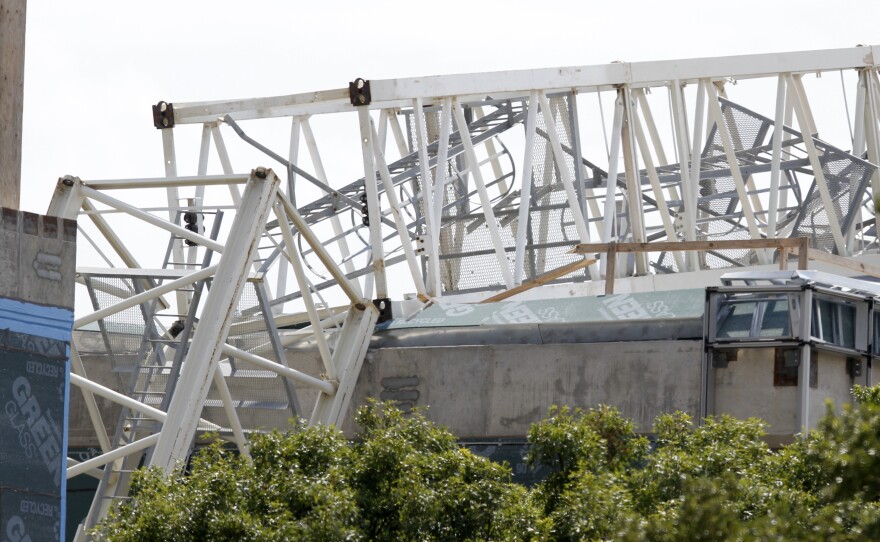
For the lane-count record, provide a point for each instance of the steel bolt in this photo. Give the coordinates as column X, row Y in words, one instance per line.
column 67, row 181
column 261, row 173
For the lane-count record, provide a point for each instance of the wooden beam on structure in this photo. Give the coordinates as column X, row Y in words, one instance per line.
column 841, row 261
column 663, row 246
column 804, row 253
column 541, row 280
column 12, row 23
column 610, row 268
column 786, row 246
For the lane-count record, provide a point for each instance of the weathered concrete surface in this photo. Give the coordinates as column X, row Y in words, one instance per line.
column 500, row 390
column 263, row 401
column 745, row 388
column 12, row 32
column 37, row 258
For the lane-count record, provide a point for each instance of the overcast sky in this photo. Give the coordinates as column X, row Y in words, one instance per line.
column 93, row 68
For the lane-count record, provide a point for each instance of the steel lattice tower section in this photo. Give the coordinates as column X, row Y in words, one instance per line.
column 470, row 187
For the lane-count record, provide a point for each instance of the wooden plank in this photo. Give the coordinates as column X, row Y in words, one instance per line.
column 541, row 280
column 846, row 263
column 804, row 253
column 661, row 246
column 610, row 268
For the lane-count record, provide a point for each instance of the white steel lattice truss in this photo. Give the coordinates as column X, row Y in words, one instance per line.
column 690, row 157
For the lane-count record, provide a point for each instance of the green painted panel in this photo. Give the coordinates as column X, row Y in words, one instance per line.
column 638, row 306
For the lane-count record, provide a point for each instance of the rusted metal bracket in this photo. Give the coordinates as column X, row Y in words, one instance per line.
column 163, row 115
column 384, row 306
column 359, row 92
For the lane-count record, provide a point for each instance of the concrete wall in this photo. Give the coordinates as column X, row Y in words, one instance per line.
column 745, row 388
column 12, row 32
column 500, row 390
column 476, row 391
column 37, row 267
column 37, row 258
column 493, row 391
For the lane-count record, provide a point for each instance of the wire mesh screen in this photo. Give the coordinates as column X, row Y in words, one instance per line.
column 468, row 259
column 720, row 211
column 142, row 355
column 135, row 348
column 552, row 230
column 847, row 178
column 124, row 329
column 260, row 397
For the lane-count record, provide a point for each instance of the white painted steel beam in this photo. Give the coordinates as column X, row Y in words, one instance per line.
column 348, row 359
column 318, row 163
column 116, row 397
column 163, row 182
column 373, row 210
column 143, row 297
column 610, row 212
column 324, row 386
column 665, row 215
column 78, row 369
column 633, row 180
column 776, row 158
column 207, row 342
column 295, row 261
column 439, row 186
column 173, row 195
column 729, row 151
column 225, row 163
column 427, row 192
column 804, row 121
column 125, row 400
column 402, row 232
column 562, row 167
column 111, row 456
column 231, row 414
column 525, row 198
column 689, row 202
column 153, row 219
column 396, row 92
column 350, row 290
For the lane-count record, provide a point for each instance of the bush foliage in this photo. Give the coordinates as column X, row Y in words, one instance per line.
column 407, row 479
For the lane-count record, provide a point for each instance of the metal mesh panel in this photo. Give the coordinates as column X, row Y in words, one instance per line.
column 847, row 179
column 135, row 349
column 721, row 215
column 474, row 265
column 125, row 329
column 432, row 128
column 550, row 217
column 747, row 131
column 260, row 396
column 468, row 259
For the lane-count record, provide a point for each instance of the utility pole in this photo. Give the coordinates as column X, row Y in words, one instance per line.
column 12, row 23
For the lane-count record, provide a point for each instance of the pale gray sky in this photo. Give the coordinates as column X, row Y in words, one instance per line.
column 93, row 68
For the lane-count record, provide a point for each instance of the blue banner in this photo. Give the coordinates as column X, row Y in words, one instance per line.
column 34, row 397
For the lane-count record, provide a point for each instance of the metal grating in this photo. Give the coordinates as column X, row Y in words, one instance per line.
column 261, row 397
column 721, row 215
column 847, row 178
column 468, row 261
